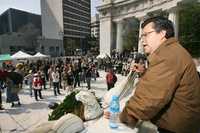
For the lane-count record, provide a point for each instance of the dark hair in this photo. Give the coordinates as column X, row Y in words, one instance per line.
column 161, row 23
column 140, row 56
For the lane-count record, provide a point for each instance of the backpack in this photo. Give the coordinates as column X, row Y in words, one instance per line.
column 114, row 78
column 111, row 78
column 16, row 77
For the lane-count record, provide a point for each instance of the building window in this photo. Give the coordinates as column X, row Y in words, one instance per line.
column 42, row 49
column 12, row 49
column 51, row 49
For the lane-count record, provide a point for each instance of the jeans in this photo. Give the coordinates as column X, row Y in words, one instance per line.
column 56, row 88
column 36, row 93
column 88, row 81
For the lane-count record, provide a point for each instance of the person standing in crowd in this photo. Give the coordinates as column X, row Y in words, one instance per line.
column 111, row 79
column 88, row 76
column 13, row 85
column 42, row 74
column 50, row 70
column 84, row 69
column 46, row 67
column 94, row 71
column 1, row 88
column 168, row 91
column 64, row 78
column 29, row 77
column 55, row 79
column 70, row 79
column 37, row 86
column 12, row 82
column 76, row 75
column 2, row 74
column 60, row 68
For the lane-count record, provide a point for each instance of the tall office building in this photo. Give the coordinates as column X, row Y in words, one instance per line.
column 19, row 31
column 76, row 17
column 68, row 21
column 13, row 20
column 52, row 27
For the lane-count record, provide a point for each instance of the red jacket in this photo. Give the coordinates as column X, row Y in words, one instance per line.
column 37, row 83
column 111, row 78
column 3, row 74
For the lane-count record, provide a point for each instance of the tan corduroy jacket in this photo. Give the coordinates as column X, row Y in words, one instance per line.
column 168, row 93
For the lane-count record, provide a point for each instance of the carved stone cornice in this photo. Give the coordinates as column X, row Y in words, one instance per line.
column 119, row 9
column 104, row 7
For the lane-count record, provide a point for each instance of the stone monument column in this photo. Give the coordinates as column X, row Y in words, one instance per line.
column 106, row 35
column 140, row 46
column 174, row 17
column 119, row 46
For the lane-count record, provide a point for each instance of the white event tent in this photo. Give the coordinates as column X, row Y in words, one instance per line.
column 21, row 55
column 40, row 55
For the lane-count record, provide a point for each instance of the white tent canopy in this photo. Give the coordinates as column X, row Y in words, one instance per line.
column 21, row 55
column 40, row 55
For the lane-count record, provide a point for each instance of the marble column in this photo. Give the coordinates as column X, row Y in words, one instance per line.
column 140, row 46
column 106, row 35
column 174, row 17
column 119, row 46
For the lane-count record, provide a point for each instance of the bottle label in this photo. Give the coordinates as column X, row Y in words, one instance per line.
column 114, row 112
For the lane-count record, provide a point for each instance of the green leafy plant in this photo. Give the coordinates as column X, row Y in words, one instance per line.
column 69, row 105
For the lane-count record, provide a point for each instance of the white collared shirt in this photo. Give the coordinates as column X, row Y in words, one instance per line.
column 55, row 76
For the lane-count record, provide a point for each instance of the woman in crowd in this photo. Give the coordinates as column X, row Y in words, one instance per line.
column 70, row 79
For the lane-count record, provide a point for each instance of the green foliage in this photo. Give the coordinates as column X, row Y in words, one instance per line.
column 130, row 37
column 69, row 105
column 189, row 28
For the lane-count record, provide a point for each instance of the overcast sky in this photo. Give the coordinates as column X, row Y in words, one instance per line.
column 34, row 5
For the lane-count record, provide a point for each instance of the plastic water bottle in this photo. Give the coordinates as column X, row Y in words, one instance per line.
column 114, row 112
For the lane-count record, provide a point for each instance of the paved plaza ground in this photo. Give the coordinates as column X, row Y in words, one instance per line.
column 32, row 113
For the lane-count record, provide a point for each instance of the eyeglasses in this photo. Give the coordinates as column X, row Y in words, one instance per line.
column 146, row 34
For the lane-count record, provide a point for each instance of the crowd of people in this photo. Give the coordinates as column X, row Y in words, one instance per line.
column 66, row 73
column 167, row 92
column 60, row 73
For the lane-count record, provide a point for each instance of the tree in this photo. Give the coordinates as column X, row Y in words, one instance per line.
column 189, row 28
column 91, row 44
column 131, row 34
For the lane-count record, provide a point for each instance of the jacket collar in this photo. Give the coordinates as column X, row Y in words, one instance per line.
column 169, row 41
